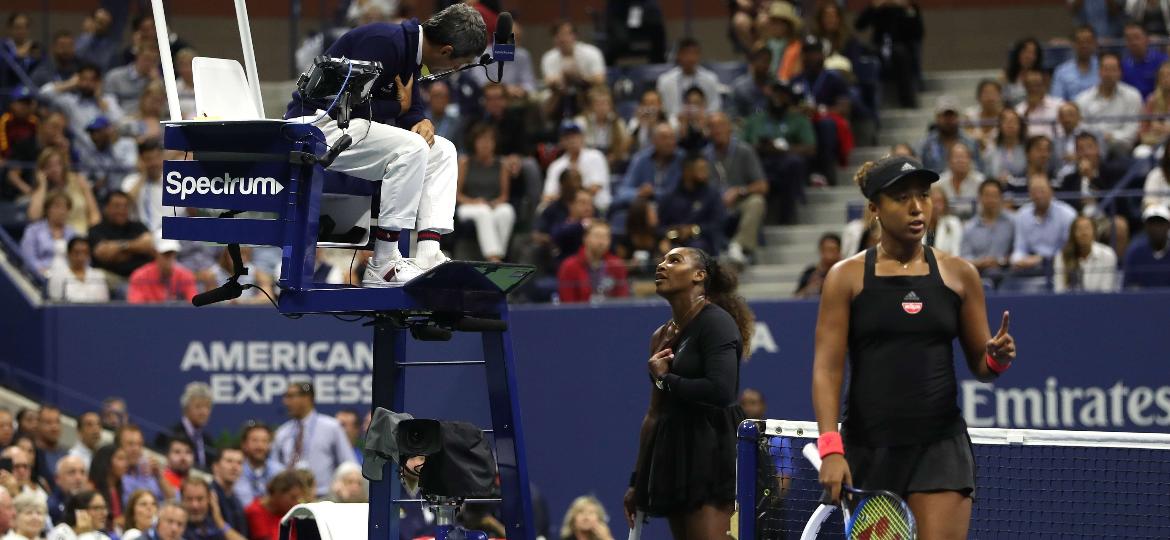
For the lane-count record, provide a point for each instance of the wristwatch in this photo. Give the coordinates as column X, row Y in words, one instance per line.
column 660, row 382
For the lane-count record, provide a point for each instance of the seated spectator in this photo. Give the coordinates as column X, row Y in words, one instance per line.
column 813, row 277
column 692, row 121
column 1157, row 186
column 77, row 281
column 1111, row 107
column 1068, row 126
column 829, row 25
column 570, row 207
column 349, row 486
column 45, row 242
column 943, row 231
column 141, row 513
column 82, row 99
column 171, row 525
column 648, row 114
column 145, row 186
column 284, row 491
column 1154, row 16
column 860, row 234
column 70, row 480
column 185, row 81
column 483, row 194
column 987, row 237
column 748, row 90
column 141, row 471
column 120, row 246
column 105, row 476
column 114, row 414
column 53, row 176
column 586, row 520
column 1026, row 55
column 196, row 407
column 180, row 458
column 518, row 145
column 143, row 123
column 28, row 521
column 589, row 162
column 1038, row 108
column 1147, row 265
column 686, row 74
column 693, row 213
column 143, row 35
column 1038, row 151
column 983, row 118
column 634, row 21
column 126, row 83
column 48, row 443
column 1139, row 66
column 20, row 481
column 205, row 521
column 105, row 157
column 83, row 518
column 18, row 138
column 1079, row 73
column 101, row 43
column 569, row 68
column 960, row 180
column 61, row 62
column 21, row 182
column 654, row 171
column 259, row 467
column 442, row 113
column 1154, row 131
column 642, row 246
column 1092, row 179
column 938, row 143
column 19, row 47
column 225, row 472
column 593, row 273
column 1041, row 228
column 520, row 78
column 603, row 129
column 783, row 138
column 897, row 33
column 779, row 29
column 163, row 280
column 740, row 177
column 1084, row 264
column 1006, row 157
column 827, row 93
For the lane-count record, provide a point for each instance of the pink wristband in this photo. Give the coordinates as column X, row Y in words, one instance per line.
column 995, row 366
column 830, row 443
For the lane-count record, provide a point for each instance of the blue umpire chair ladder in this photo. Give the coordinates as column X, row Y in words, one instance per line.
column 272, row 167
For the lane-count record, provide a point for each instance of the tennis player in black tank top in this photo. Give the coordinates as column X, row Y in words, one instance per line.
column 896, row 309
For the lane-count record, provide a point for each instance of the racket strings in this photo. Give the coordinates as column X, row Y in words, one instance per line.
column 881, row 517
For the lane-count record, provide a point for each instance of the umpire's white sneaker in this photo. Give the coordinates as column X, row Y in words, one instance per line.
column 393, row 273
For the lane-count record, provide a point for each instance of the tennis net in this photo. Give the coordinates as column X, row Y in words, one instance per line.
column 1029, row 483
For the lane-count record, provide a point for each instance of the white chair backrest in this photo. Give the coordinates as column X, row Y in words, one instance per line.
column 221, row 90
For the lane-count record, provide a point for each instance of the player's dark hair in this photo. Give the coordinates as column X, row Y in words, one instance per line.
column 720, row 288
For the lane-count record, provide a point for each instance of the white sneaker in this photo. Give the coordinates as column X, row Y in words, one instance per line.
column 394, row 273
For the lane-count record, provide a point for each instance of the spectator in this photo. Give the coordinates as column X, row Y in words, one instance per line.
column 634, row 21
column 7, row 514
column 109, row 467
column 120, row 246
column 53, row 175
column 897, row 34
column 7, row 428
column 29, row 521
column 603, row 129
column 570, row 67
column 172, row 523
column 783, row 138
column 1154, row 131
column 48, row 440
column 687, row 74
column 259, row 468
column 61, row 63
column 903, row 149
column 204, row 519
column 258, row 275
column 1078, row 73
column 83, row 518
column 1157, row 188
column 742, row 29
column 106, row 158
column 141, row 471
column 141, row 513
column 593, row 274
column 1154, row 15
column 70, row 480
column 180, row 456
column 642, row 246
column 1068, row 126
column 960, row 180
column 21, row 181
column 89, row 437
column 441, row 112
column 162, row 280
column 1092, row 179
column 114, row 414
column 1139, row 66
column 348, row 485
column 1084, row 264
column 21, row 481
column 813, row 277
column 828, row 94
column 1041, row 228
column 1104, row 16
column 740, row 178
column 145, row 186
column 82, row 99
column 829, row 25
column 586, row 520
column 780, row 32
column 654, row 171
column 483, row 193
column 779, row 448
column 692, row 121
column 143, row 35
column 185, row 81
column 225, row 473
column 101, row 45
column 564, row 221
column 196, row 405
column 983, row 119
column 693, row 213
column 1027, row 55
column 1146, row 263
column 77, row 281
column 18, row 138
column 19, row 47
column 519, row 78
column 284, row 491
column 310, row 440
column 1111, row 107
column 1006, row 157
column 351, row 423
column 938, row 143
column 518, row 145
column 45, row 241
column 26, row 423
column 144, row 123
column 987, row 237
column 1038, row 150
column 1038, row 108
column 126, row 83
column 589, row 162
column 944, row 231
column 747, row 90
column 648, row 115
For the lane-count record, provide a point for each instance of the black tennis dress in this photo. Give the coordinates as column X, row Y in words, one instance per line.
column 902, row 427
column 690, row 457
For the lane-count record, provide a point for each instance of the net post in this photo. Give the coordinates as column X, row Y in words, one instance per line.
column 745, row 477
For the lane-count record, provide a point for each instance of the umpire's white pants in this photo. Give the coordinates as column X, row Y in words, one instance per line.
column 418, row 181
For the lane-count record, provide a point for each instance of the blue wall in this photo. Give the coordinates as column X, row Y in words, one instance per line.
column 1086, row 362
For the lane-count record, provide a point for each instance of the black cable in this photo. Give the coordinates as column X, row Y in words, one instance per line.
column 269, row 297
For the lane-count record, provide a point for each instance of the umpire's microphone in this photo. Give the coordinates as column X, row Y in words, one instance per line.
column 504, row 49
column 228, row 291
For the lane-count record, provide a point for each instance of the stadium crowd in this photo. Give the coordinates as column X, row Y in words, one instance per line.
column 593, row 165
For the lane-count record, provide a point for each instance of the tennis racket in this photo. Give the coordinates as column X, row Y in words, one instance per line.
column 868, row 515
column 636, row 532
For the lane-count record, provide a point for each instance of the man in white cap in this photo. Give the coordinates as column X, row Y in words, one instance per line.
column 1147, row 262
column 935, row 150
column 162, row 280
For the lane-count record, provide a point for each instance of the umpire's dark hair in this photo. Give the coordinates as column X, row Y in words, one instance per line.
column 459, row 26
column 720, row 289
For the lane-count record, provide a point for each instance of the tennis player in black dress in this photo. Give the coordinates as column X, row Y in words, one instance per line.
column 685, row 469
column 896, row 309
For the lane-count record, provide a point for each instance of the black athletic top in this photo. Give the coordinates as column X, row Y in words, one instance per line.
column 902, row 386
